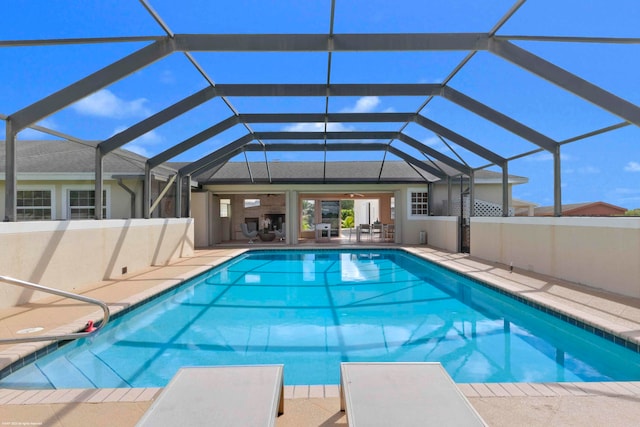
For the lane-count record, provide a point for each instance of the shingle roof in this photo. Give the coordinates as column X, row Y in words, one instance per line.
column 335, row 172
column 60, row 156
column 568, row 208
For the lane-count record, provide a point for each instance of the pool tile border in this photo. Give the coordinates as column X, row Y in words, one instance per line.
column 628, row 343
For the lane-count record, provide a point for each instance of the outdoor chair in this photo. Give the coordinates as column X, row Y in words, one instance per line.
column 248, row 234
column 390, row 232
column 365, row 228
column 377, row 230
column 281, row 234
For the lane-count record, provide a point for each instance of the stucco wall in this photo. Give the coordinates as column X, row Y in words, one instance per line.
column 599, row 252
column 442, row 232
column 69, row 254
column 120, row 206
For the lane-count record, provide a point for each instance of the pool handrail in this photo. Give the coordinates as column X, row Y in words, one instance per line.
column 61, row 337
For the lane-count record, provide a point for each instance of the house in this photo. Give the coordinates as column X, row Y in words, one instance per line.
column 302, row 194
column 56, row 182
column 523, row 207
column 583, row 209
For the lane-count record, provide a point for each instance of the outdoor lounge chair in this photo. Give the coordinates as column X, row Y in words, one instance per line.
column 281, row 234
column 403, row 394
column 248, row 234
column 220, row 396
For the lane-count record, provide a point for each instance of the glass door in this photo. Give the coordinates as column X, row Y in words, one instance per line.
column 331, row 215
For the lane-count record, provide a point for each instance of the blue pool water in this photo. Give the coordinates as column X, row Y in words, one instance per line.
column 313, row 310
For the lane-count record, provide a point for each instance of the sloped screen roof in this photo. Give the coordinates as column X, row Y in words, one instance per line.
column 471, row 85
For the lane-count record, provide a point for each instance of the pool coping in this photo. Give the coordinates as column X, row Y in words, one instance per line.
column 629, row 389
column 22, row 354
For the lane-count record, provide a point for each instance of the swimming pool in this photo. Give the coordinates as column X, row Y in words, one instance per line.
column 313, row 310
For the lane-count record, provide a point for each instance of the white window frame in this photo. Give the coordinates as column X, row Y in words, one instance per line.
column 65, row 198
column 410, row 192
column 35, row 187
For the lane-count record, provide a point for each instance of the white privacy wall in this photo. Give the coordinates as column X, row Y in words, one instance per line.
column 602, row 253
column 69, row 254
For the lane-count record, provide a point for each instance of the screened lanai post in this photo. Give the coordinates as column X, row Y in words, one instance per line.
column 557, row 183
column 188, row 196
column 146, row 191
column 178, row 203
column 11, row 176
column 472, row 199
column 98, row 184
column 449, row 193
column 430, row 198
column 505, row 189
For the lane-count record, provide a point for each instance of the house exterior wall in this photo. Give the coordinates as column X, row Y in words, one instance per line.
column 69, row 254
column 276, row 202
column 120, row 199
column 487, row 192
column 598, row 252
column 200, row 213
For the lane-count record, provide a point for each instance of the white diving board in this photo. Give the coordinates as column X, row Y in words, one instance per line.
column 220, row 396
column 403, row 394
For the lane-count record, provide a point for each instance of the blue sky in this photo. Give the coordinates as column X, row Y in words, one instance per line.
column 604, row 167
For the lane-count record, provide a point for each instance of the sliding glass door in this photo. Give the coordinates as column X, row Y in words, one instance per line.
column 331, row 215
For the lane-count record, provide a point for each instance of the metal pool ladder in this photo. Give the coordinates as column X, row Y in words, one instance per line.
column 58, row 292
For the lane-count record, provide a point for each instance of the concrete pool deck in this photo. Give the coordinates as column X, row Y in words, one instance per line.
column 566, row 404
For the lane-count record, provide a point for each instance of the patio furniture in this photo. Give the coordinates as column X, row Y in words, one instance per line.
column 323, row 232
column 364, row 229
column 376, row 229
column 248, row 234
column 403, row 394
column 390, row 232
column 281, row 234
column 267, row 236
column 220, row 396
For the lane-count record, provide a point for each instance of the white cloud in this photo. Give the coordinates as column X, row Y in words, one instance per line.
column 144, row 143
column 432, row 141
column 632, row 167
column 546, row 157
column 167, row 77
column 105, row 103
column 317, row 127
column 589, row 170
column 626, row 191
column 366, row 104
column 28, row 133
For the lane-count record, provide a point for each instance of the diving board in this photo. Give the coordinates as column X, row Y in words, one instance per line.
column 403, row 394
column 220, row 396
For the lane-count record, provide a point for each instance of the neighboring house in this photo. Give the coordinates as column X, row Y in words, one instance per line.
column 523, row 207
column 56, row 182
column 583, row 209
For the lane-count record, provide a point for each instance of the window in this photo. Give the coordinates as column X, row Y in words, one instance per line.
column 81, row 204
column 393, row 208
column 418, row 205
column 251, row 203
column 225, row 208
column 308, row 215
column 34, row 205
